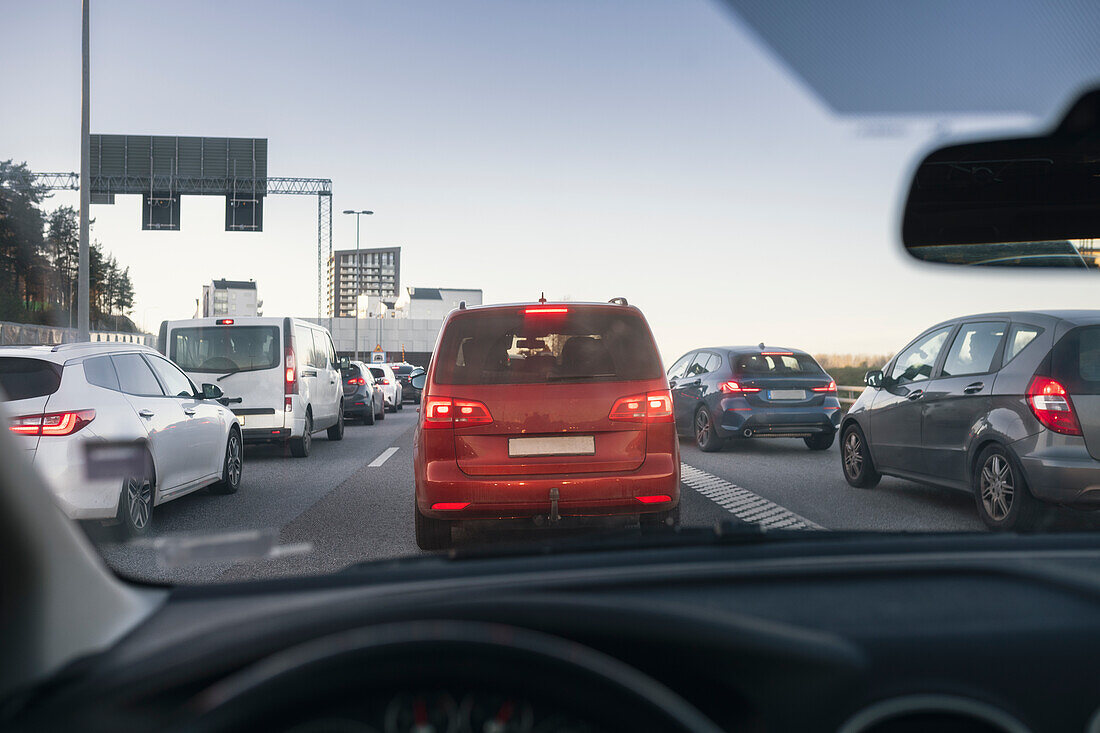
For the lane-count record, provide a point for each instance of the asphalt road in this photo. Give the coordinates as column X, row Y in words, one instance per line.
column 351, row 501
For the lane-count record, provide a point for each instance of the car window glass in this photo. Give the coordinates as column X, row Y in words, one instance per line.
column 303, row 344
column 769, row 363
column 698, row 365
column 915, row 364
column 23, row 378
column 175, row 382
column 377, row 372
column 1019, row 336
column 319, row 355
column 223, row 349
column 101, row 372
column 677, row 370
column 973, row 349
column 135, row 376
column 713, row 360
column 330, row 349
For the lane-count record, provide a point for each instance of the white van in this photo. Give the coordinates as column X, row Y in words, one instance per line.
column 284, row 371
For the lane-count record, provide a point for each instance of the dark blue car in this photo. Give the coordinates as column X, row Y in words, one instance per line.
column 753, row 391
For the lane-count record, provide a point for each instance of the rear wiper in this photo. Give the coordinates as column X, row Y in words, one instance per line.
column 230, row 374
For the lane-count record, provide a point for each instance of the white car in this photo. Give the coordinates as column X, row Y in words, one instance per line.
column 61, row 397
column 281, row 374
column 391, row 387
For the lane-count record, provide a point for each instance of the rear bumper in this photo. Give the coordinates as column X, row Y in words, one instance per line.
column 509, row 497
column 1060, row 470
column 265, row 435
column 737, row 416
column 60, row 462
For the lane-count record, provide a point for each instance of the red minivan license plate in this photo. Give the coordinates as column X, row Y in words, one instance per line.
column 566, row 445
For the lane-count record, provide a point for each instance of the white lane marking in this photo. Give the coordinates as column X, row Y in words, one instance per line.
column 742, row 503
column 382, row 458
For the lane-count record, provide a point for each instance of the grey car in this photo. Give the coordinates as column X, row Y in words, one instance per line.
column 1004, row 405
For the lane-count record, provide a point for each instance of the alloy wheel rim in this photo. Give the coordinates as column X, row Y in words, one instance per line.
column 702, row 427
column 233, row 460
column 853, row 456
column 138, row 495
column 998, row 487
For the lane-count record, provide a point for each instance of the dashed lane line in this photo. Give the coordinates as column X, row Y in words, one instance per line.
column 742, row 503
column 383, row 457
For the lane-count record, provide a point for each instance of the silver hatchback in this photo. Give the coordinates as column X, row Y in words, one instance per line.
column 1004, row 405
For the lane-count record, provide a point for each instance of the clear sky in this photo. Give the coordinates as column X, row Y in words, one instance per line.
column 588, row 149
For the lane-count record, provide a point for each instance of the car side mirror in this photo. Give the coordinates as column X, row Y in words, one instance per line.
column 211, row 391
column 418, row 381
column 874, row 378
column 345, row 362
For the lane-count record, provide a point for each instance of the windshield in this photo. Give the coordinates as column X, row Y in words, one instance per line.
column 442, row 276
column 225, row 348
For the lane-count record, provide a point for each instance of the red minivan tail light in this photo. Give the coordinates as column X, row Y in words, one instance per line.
column 53, row 423
column 290, row 378
column 445, row 412
column 735, row 388
column 1051, row 405
column 651, row 407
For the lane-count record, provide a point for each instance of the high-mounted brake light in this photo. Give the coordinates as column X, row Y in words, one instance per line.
column 52, row 423
column 445, row 412
column 651, row 407
column 830, row 387
column 544, row 310
column 776, row 353
column 735, row 388
column 225, row 321
column 1050, row 403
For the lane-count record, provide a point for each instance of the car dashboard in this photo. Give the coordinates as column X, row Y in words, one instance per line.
column 827, row 632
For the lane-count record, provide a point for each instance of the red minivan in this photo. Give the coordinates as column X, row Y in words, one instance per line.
column 544, row 410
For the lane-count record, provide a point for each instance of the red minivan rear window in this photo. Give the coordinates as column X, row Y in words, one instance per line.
column 562, row 345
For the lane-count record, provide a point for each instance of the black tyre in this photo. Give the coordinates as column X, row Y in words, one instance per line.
column 659, row 521
column 821, row 441
column 706, row 436
column 300, row 447
column 855, row 459
column 1000, row 492
column 336, row 432
column 431, row 534
column 400, row 401
column 232, row 466
column 135, row 506
column 382, row 412
column 368, row 414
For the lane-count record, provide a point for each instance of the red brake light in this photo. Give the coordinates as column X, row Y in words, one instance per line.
column 384, row 380
column 651, row 407
column 544, row 310
column 1051, row 406
column 449, row 506
column 830, row 387
column 290, row 383
column 444, row 412
column 225, row 321
column 735, row 388
column 357, row 380
column 656, row 499
column 54, row 423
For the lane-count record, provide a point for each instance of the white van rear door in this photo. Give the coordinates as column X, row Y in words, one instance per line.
column 245, row 361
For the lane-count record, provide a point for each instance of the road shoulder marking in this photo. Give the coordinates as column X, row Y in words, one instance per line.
column 742, row 503
column 383, row 457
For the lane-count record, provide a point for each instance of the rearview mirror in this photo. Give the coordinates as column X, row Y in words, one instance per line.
column 211, row 391
column 418, row 380
column 1024, row 202
column 873, row 378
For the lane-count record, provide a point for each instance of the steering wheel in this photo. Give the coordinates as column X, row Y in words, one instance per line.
column 307, row 681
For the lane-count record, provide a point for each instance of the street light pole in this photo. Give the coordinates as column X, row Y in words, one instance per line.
column 82, row 321
column 358, row 291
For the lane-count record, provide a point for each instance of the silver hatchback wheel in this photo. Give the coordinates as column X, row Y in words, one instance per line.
column 853, row 455
column 233, row 463
column 139, row 502
column 998, row 486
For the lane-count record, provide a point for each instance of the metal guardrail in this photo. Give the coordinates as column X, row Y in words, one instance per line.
column 848, row 395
